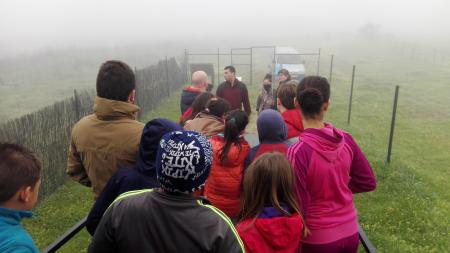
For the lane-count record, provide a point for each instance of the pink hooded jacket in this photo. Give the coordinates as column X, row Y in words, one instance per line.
column 329, row 168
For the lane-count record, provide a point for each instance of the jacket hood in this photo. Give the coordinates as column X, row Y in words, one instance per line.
column 281, row 233
column 293, row 118
column 271, row 127
column 107, row 109
column 151, row 135
column 328, row 141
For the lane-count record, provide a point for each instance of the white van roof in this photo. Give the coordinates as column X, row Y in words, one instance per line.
column 285, row 50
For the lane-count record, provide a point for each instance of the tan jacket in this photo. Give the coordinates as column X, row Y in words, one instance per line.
column 206, row 124
column 103, row 142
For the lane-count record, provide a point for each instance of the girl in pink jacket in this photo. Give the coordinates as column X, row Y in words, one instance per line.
column 329, row 168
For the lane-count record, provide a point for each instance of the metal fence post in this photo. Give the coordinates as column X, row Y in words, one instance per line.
column 331, row 69
column 251, row 66
column 167, row 77
column 139, row 92
column 218, row 66
column 77, row 104
column 318, row 63
column 186, row 62
column 391, row 134
column 351, row 96
column 231, row 56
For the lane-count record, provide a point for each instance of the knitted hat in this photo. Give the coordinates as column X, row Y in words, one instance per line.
column 183, row 161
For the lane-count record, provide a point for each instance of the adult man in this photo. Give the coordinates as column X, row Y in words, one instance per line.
column 199, row 85
column 109, row 138
column 169, row 219
column 234, row 91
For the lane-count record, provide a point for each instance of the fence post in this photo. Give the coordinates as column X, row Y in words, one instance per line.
column 251, row 66
column 77, row 104
column 186, row 62
column 351, row 96
column 139, row 89
column 318, row 63
column 167, row 77
column 218, row 66
column 231, row 57
column 331, row 69
column 391, row 134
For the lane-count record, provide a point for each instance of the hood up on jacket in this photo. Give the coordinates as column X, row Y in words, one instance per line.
column 271, row 127
column 151, row 135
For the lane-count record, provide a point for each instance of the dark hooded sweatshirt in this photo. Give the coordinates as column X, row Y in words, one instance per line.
column 140, row 176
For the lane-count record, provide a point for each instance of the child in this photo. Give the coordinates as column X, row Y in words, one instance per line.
column 329, row 168
column 223, row 187
column 286, row 106
column 209, row 122
column 142, row 175
column 197, row 106
column 272, row 134
column 169, row 219
column 20, row 178
column 270, row 219
column 265, row 98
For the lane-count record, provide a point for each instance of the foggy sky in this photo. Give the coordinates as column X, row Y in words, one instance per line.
column 31, row 25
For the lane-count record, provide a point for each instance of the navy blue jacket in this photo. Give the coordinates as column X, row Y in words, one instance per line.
column 140, row 176
column 188, row 95
column 272, row 135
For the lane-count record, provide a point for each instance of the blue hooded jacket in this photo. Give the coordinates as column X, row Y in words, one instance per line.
column 272, row 134
column 140, row 176
column 13, row 237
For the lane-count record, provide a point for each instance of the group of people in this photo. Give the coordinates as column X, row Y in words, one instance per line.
column 197, row 185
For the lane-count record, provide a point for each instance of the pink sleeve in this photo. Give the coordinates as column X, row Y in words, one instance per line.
column 362, row 178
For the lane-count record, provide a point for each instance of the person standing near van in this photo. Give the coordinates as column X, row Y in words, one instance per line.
column 234, row 91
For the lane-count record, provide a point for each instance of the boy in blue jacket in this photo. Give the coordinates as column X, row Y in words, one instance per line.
column 20, row 178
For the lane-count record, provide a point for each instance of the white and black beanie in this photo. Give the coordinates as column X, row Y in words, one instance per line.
column 183, row 161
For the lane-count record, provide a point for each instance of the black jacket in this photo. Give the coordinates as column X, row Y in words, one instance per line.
column 156, row 221
column 140, row 176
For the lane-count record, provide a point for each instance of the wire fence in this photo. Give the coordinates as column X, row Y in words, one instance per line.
column 47, row 131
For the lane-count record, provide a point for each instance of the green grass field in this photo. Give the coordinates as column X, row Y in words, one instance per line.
column 410, row 209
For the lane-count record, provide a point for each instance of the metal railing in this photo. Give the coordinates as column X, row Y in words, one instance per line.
column 69, row 234
column 63, row 239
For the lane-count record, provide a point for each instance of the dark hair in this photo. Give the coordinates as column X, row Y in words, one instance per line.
column 286, row 94
column 230, row 68
column 268, row 76
column 286, row 73
column 199, row 104
column 218, row 106
column 270, row 180
column 235, row 123
column 312, row 93
column 18, row 167
column 115, row 81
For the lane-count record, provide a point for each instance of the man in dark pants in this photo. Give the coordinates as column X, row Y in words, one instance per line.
column 234, row 91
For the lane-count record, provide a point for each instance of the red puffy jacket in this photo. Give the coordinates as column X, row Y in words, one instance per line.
column 223, row 186
column 277, row 234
